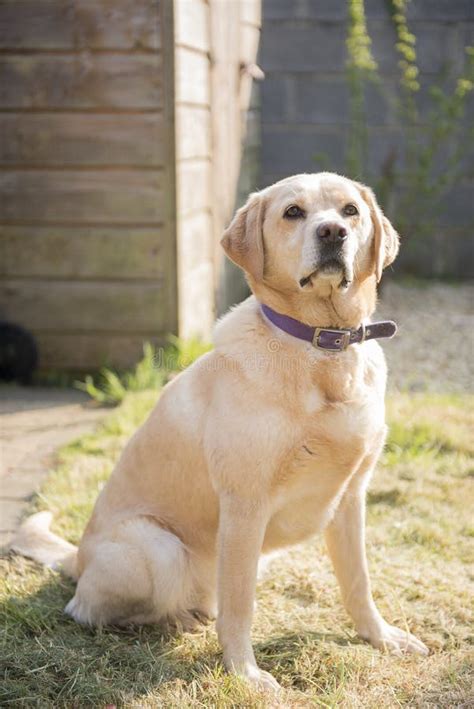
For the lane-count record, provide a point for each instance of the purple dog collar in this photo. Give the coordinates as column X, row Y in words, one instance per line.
column 325, row 338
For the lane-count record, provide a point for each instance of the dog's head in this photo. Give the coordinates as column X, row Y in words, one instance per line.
column 311, row 234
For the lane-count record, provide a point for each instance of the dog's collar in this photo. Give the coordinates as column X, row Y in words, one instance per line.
column 325, row 338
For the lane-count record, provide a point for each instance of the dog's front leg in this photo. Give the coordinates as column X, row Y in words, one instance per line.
column 241, row 530
column 345, row 537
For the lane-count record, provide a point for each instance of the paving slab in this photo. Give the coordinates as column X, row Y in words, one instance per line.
column 34, row 423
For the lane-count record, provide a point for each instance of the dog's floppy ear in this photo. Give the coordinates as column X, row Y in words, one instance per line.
column 386, row 239
column 243, row 238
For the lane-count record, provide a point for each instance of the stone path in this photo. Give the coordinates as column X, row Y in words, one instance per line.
column 434, row 348
column 34, row 423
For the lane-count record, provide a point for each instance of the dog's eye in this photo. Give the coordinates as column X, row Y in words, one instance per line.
column 350, row 210
column 294, row 212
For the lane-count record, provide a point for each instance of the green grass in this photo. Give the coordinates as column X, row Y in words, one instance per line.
column 420, row 551
column 109, row 387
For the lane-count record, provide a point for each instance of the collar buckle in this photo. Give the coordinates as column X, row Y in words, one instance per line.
column 338, row 340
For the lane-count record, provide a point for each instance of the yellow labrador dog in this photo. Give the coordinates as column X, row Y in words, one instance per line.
column 264, row 441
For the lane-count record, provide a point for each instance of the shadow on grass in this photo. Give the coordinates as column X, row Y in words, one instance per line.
column 392, row 497
column 48, row 659
column 286, row 657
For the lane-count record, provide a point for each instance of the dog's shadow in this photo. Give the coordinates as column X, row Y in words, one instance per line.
column 76, row 662
column 280, row 654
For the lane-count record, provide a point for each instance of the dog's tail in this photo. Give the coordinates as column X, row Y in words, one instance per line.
column 34, row 539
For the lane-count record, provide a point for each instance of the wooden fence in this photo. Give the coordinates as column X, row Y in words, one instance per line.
column 112, row 188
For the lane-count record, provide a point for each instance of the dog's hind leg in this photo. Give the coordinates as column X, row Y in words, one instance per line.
column 137, row 573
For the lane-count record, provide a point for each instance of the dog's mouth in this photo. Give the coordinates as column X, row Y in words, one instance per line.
column 331, row 267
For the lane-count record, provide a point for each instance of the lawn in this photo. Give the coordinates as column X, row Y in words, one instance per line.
column 420, row 540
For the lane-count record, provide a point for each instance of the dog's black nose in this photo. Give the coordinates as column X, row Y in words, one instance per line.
column 331, row 232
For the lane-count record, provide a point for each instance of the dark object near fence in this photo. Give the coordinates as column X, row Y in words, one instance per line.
column 18, row 353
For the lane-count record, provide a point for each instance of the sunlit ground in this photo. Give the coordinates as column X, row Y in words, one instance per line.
column 420, row 548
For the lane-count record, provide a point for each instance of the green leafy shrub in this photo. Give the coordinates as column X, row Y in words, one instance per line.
column 110, row 388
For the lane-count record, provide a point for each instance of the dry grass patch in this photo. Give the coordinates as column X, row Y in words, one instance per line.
column 420, row 548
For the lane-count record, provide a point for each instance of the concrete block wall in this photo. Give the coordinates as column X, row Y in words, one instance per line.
column 305, row 105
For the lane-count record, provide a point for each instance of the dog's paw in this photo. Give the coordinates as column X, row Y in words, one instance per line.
column 249, row 672
column 260, row 679
column 395, row 640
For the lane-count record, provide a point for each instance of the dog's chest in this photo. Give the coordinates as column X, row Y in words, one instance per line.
column 331, row 440
column 315, row 474
column 341, row 411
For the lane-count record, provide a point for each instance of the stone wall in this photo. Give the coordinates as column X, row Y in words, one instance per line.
column 306, row 119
